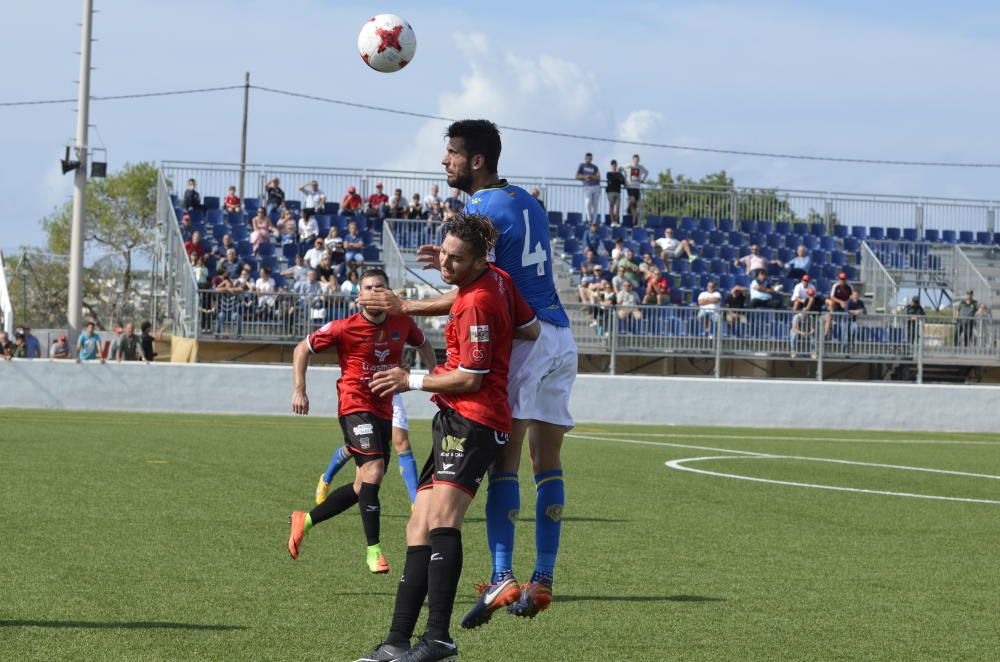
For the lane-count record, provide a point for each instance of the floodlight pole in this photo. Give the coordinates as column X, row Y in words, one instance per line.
column 243, row 142
column 74, row 314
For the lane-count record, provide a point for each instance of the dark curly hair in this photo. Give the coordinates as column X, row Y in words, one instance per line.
column 481, row 137
column 474, row 229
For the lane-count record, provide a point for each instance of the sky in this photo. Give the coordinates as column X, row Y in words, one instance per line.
column 898, row 80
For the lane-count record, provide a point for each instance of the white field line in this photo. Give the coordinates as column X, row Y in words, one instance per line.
column 764, row 437
column 679, row 465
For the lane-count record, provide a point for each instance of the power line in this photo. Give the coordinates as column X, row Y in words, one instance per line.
column 121, row 96
column 639, row 143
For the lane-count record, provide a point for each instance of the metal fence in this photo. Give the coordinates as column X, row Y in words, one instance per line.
column 6, row 310
column 565, row 194
column 180, row 284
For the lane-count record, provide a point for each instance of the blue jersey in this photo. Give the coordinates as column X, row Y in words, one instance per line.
column 522, row 249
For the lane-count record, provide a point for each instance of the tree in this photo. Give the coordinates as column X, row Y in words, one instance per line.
column 714, row 196
column 121, row 227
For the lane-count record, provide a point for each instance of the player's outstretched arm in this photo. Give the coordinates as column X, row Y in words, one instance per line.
column 398, row 380
column 386, row 301
column 427, row 357
column 300, row 361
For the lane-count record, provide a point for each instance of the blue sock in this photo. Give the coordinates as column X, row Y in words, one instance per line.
column 338, row 460
column 503, row 502
column 548, row 522
column 408, row 470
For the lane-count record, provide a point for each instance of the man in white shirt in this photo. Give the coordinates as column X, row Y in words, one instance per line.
column 265, row 287
column 316, row 254
column 709, row 303
column 671, row 247
column 314, row 198
column 308, row 229
column 635, row 177
column 430, row 199
column 799, row 293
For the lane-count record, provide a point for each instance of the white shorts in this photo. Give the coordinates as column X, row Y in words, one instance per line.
column 541, row 376
column 399, row 419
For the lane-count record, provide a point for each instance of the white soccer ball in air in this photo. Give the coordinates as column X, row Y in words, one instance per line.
column 387, row 43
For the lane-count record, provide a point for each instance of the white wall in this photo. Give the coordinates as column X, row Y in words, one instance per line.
column 210, row 388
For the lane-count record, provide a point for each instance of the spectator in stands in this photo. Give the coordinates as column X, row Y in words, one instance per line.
column 914, row 313
column 113, row 345
column 855, row 310
column 192, row 199
column 88, row 345
column 262, row 230
column 736, row 301
column 647, row 264
column 984, row 329
column 588, row 173
column 815, row 303
column 965, row 313
column 32, row 348
column 274, row 197
column 265, row 288
column 435, row 211
column 397, row 204
column 628, row 263
column 128, row 345
column 296, row 272
column 619, row 279
column 232, row 263
column 616, row 179
column 602, row 274
column 762, row 295
column 606, row 299
column 453, row 204
column 799, row 265
column 352, row 203
column 800, row 334
column 308, row 231
column 799, row 296
column 672, row 247
column 350, row 288
column 657, row 288
column 232, row 202
column 245, row 278
column 222, row 249
column 415, row 210
column 60, row 349
column 146, row 341
column 589, row 260
column 316, row 254
column 537, row 195
column 6, row 346
column 587, row 281
column 635, row 177
column 709, row 303
column 195, row 246
column 228, row 305
column 19, row 349
column 837, row 301
column 200, row 270
column 327, row 273
column 628, row 303
column 335, row 245
column 433, row 197
column 354, row 245
column 592, row 238
column 187, row 230
column 618, row 251
column 754, row 262
column 287, row 230
column 310, row 292
column 378, row 203
column 314, row 200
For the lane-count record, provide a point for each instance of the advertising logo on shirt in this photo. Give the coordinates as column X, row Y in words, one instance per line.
column 479, row 333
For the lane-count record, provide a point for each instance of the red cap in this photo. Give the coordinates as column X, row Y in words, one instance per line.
column 805, row 278
column 810, row 291
column 186, row 217
column 62, row 338
column 842, row 276
column 350, row 189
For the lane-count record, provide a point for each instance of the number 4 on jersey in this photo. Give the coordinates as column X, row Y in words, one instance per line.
column 529, row 256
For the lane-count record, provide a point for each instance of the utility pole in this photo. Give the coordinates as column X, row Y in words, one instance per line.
column 75, row 312
column 243, row 142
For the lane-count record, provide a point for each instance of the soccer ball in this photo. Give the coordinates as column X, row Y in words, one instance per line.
column 387, row 43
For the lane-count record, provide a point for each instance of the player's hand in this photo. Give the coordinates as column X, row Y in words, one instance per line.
column 387, row 382
column 430, row 256
column 381, row 300
column 300, row 404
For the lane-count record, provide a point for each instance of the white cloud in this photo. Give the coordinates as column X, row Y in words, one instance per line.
column 641, row 126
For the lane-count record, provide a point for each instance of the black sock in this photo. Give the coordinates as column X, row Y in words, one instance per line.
column 370, row 511
column 443, row 572
column 337, row 502
column 410, row 595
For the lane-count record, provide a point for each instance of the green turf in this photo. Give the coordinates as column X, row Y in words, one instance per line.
column 162, row 537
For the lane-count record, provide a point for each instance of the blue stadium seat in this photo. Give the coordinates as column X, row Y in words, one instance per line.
column 783, row 227
column 680, row 266
column 294, row 205
column 716, row 238
column 748, row 226
column 669, row 222
column 827, row 243
column 810, row 241
column 270, row 262
column 949, row 236
column 984, row 238
column 706, row 224
column 565, row 232
column 323, row 223
column 708, row 251
column 817, row 229
column 774, row 240
column 289, row 251
column 252, row 261
column 578, row 230
column 266, row 250
column 966, row 237
column 910, row 234
column 932, row 236
column 700, row 237
column 250, row 205
column 852, row 244
column 197, row 216
column 689, row 224
column 574, row 218
column 726, row 224
column 211, row 202
column 699, row 266
column 996, row 238
column 838, row 257
column 818, row 256
column 571, row 246
column 576, row 260
column 785, row 254
column 841, row 231
column 555, row 218
column 219, row 230
column 717, row 266
column 654, row 223
column 330, row 208
column 876, row 233
column 800, row 228
column 213, row 216
column 243, row 248
column 893, row 234
column 859, row 232
column 371, row 253
column 726, row 281
column 729, row 253
column 737, row 238
column 764, row 227
column 234, row 218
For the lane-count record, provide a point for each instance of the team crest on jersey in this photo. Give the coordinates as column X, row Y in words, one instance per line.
column 363, row 429
column 479, row 333
column 475, row 201
column 451, row 443
column 381, row 354
column 478, row 355
column 366, row 443
column 395, row 335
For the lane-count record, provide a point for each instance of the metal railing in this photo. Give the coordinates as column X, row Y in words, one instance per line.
column 6, row 310
column 394, row 262
column 279, row 317
column 181, row 287
column 965, row 277
column 879, row 283
column 565, row 194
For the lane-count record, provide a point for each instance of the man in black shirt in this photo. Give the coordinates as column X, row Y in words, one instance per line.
column 914, row 311
column 146, row 342
column 192, row 199
column 614, row 188
column 275, row 197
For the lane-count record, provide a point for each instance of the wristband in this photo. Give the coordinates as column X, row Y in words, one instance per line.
column 416, row 382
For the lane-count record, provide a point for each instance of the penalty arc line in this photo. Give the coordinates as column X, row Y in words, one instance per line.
column 679, row 465
column 859, row 440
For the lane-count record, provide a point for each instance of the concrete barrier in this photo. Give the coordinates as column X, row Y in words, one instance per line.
column 266, row 389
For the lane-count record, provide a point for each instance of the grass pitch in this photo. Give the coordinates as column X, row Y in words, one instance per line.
column 162, row 537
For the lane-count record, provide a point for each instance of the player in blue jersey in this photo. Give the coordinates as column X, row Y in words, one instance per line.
column 541, row 375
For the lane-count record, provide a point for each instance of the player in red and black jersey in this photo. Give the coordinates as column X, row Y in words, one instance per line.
column 473, row 424
column 366, row 343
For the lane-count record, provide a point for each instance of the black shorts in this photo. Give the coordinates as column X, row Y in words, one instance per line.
column 463, row 452
column 367, row 436
column 634, row 193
